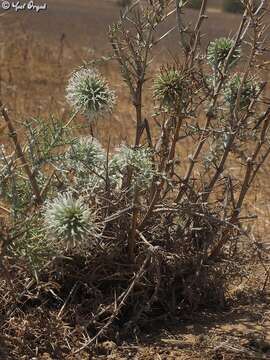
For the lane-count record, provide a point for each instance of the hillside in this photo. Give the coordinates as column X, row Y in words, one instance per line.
column 85, row 22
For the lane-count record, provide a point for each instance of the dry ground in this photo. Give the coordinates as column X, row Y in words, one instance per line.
column 35, row 61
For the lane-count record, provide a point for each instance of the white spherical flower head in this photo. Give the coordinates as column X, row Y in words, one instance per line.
column 88, row 92
column 87, row 159
column 139, row 160
column 86, row 153
column 69, row 220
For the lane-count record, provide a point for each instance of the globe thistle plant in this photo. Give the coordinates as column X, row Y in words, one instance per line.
column 69, row 220
column 88, row 92
column 139, row 160
column 249, row 91
column 171, row 89
column 218, row 51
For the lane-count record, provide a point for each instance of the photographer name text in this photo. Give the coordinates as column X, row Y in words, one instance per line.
column 20, row 6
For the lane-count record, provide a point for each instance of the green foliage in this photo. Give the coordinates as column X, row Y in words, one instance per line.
column 219, row 49
column 248, row 92
column 33, row 245
column 43, row 139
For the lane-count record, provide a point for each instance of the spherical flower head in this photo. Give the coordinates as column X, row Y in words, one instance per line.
column 218, row 51
column 171, row 89
column 86, row 158
column 88, row 92
column 69, row 220
column 85, row 152
column 249, row 91
column 138, row 160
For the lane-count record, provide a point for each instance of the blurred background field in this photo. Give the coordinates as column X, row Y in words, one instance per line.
column 39, row 51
